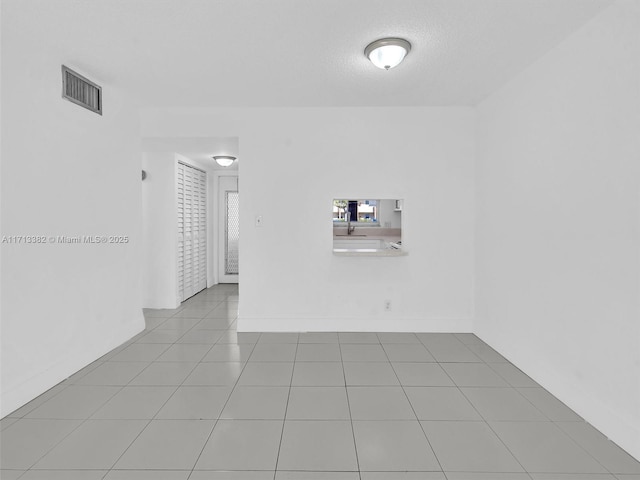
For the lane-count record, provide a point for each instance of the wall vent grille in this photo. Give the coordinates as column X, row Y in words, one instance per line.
column 81, row 91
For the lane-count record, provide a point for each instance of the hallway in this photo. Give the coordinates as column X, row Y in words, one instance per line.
column 190, row 398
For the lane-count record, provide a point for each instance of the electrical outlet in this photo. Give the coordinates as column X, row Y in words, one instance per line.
column 387, row 305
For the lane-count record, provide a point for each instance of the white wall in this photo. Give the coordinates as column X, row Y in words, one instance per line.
column 558, row 229
column 160, row 236
column 290, row 278
column 65, row 171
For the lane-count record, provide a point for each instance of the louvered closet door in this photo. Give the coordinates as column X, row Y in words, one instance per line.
column 192, row 231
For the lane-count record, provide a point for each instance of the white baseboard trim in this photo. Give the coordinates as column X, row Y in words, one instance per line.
column 618, row 429
column 353, row 324
column 21, row 394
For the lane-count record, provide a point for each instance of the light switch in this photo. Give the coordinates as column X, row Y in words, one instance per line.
column 258, row 220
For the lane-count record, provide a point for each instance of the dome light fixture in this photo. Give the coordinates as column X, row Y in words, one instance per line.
column 387, row 53
column 224, row 160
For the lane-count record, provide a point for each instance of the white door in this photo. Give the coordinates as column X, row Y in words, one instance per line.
column 229, row 230
column 192, row 231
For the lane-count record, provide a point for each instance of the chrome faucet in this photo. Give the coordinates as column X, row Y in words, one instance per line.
column 350, row 229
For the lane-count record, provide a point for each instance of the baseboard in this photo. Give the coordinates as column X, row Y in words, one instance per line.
column 55, row 373
column 352, row 324
column 618, row 429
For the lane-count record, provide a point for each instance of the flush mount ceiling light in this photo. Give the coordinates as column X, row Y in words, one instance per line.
column 224, row 160
column 387, row 53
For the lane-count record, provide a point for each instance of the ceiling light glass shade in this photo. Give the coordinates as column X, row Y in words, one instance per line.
column 387, row 53
column 224, row 160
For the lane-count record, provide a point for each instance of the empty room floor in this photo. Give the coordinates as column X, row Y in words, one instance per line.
column 190, row 398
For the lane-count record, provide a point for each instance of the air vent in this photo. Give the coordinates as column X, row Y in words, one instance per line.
column 81, row 91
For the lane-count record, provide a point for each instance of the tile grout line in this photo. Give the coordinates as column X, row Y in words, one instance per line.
column 346, row 389
column 284, row 420
column 413, row 410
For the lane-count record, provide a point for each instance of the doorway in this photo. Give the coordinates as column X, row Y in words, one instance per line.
column 228, row 229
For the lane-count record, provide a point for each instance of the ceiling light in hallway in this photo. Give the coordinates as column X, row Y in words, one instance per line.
column 387, row 53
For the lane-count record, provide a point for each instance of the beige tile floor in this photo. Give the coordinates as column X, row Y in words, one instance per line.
column 190, row 398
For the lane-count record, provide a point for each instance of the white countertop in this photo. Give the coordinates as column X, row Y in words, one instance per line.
column 369, row 252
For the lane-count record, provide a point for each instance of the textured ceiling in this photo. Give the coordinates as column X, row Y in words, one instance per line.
column 296, row 52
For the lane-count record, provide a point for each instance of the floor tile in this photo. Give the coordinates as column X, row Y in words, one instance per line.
column 369, row 374
column 403, row 476
column 422, row 375
column 201, row 337
column 441, row 403
column 486, row 353
column 452, row 353
column 113, row 373
column 572, row 476
column 133, row 403
column 502, row 404
column 7, row 421
column 318, row 352
column 180, row 324
column 283, row 475
column 542, row 447
column 214, row 323
column 611, row 456
column 161, row 336
column 285, row 337
column 242, row 445
column 39, row 400
column 153, row 322
column 363, row 353
column 318, row 337
column 78, row 450
column 274, row 352
column 140, row 352
column 468, row 338
column 318, row 403
column 73, row 379
column 513, row 376
column 74, row 402
column 402, row 352
column 469, row 447
column 256, row 403
column 473, row 375
column 239, row 338
column 184, row 353
column 358, row 337
column 488, row 476
column 195, row 403
column 28, row 440
column 379, row 403
column 11, row 474
column 434, row 339
column 400, row 338
column 246, row 475
column 267, row 374
column 553, row 408
column 229, row 353
column 318, row 374
column 219, row 373
column 393, row 446
column 164, row 373
column 626, row 477
column 148, row 475
column 317, row 446
column 167, row 444
column 63, row 475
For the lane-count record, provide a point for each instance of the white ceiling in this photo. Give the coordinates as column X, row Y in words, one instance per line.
column 297, row 52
